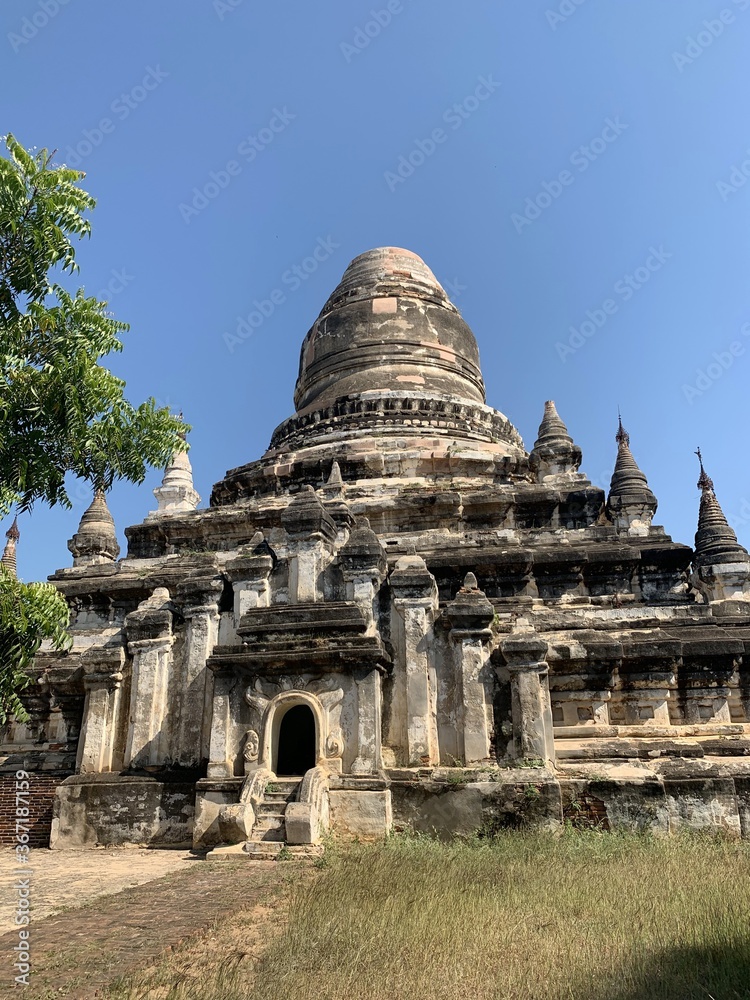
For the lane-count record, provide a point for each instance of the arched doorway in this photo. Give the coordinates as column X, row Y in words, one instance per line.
column 296, row 748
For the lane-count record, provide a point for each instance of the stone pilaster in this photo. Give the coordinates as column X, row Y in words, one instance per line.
column 102, row 680
column 249, row 574
column 201, row 612
column 524, row 653
column 150, row 642
column 470, row 615
column 369, row 713
column 219, row 759
column 38, row 704
column 415, row 597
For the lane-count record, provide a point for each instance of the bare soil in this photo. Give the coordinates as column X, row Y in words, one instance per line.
column 118, row 928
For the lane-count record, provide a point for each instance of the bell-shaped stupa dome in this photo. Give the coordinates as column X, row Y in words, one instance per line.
column 388, row 325
column 389, row 386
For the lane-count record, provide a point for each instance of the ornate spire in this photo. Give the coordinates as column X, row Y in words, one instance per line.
column 95, row 542
column 9, row 554
column 554, row 450
column 715, row 541
column 177, row 493
column 630, row 503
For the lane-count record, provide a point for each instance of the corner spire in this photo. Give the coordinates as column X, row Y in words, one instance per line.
column 630, row 504
column 9, row 553
column 177, row 494
column 722, row 565
column 554, row 451
column 715, row 540
column 95, row 542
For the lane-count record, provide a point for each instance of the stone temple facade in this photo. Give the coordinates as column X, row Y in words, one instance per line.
column 397, row 618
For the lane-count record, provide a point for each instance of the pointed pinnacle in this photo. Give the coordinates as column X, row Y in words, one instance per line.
column 334, row 478
column 704, row 480
column 622, row 436
column 13, row 532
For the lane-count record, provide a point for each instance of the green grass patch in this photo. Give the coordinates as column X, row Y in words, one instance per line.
column 523, row 916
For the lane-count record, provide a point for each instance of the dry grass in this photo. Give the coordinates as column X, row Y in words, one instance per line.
column 587, row 916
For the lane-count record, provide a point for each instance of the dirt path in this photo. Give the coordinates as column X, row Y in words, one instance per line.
column 76, row 953
column 64, row 879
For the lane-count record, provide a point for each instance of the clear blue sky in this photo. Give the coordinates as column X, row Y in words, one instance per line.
column 316, row 104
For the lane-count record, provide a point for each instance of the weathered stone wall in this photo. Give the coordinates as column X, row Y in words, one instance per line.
column 449, row 805
column 100, row 810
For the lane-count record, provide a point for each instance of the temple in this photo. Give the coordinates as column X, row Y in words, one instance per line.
column 397, row 618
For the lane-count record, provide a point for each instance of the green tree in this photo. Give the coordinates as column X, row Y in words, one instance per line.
column 29, row 614
column 61, row 411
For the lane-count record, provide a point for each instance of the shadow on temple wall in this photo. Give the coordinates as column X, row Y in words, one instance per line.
column 720, row 971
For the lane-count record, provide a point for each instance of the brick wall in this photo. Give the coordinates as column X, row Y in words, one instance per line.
column 41, row 796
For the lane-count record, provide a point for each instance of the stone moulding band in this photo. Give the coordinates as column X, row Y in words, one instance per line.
column 382, row 410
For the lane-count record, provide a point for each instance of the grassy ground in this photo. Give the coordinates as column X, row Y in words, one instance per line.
column 588, row 916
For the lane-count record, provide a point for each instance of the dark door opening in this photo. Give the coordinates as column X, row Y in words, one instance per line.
column 296, row 741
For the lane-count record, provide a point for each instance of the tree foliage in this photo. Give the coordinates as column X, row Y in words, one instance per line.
column 61, row 411
column 29, row 614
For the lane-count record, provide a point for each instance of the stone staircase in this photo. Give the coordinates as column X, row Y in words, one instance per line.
column 269, row 819
column 269, row 833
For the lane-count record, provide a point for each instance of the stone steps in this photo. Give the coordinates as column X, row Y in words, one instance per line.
column 273, row 829
column 270, row 851
column 269, row 832
column 268, row 810
column 281, row 798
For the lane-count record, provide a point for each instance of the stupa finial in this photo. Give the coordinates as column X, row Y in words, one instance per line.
column 705, row 482
column 621, row 437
